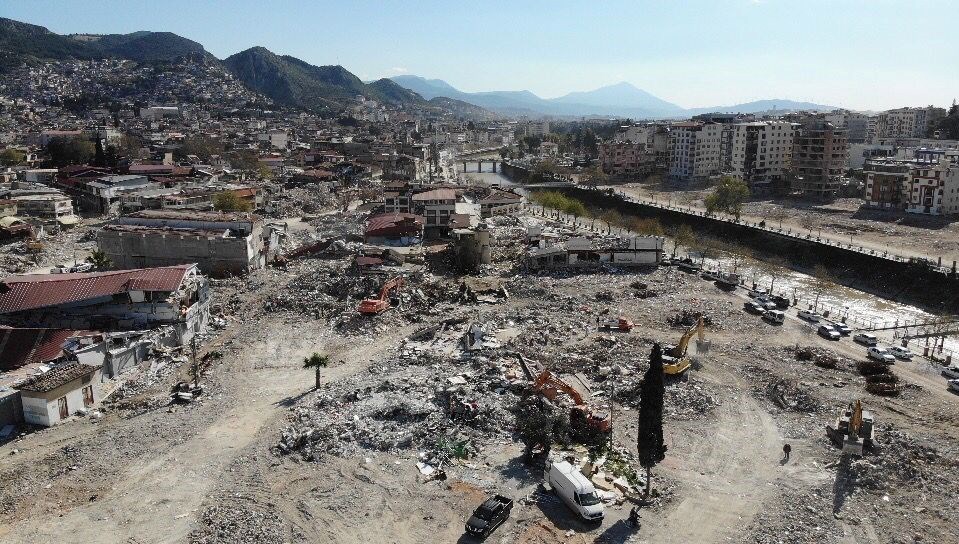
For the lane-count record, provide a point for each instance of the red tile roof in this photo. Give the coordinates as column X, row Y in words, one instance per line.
column 21, row 347
column 32, row 291
column 394, row 224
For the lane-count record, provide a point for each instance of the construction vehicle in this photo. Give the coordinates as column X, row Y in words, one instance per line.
column 617, row 323
column 675, row 359
column 853, row 429
column 550, row 386
column 378, row 305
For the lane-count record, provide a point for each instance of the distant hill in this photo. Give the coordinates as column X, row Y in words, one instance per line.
column 618, row 100
column 294, row 82
column 23, row 43
column 763, row 106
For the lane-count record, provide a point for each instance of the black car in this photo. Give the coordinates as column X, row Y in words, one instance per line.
column 781, row 302
column 490, row 515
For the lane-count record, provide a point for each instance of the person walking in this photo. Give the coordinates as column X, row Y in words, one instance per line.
column 787, row 449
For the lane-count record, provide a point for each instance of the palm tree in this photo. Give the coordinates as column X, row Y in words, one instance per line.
column 99, row 260
column 316, row 361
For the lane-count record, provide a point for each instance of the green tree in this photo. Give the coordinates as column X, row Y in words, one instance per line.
column 540, row 424
column 64, row 151
column 11, row 157
column 649, row 436
column 593, row 177
column 316, row 362
column 229, row 201
column 682, row 236
column 728, row 196
column 99, row 260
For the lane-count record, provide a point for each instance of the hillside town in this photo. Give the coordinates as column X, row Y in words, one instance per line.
column 227, row 318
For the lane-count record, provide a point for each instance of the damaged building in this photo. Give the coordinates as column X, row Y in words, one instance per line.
column 219, row 243
column 176, row 298
column 585, row 253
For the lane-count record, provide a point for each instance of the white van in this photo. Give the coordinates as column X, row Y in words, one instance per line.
column 575, row 489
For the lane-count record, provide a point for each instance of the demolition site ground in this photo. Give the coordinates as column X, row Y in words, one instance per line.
column 410, row 431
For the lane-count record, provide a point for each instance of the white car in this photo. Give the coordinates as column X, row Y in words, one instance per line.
column 951, row 372
column 880, row 354
column 901, row 353
column 954, row 385
column 776, row 317
column 866, row 339
column 812, row 317
column 829, row 333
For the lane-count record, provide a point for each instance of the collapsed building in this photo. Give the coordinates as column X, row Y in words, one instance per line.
column 173, row 296
column 67, row 332
column 584, row 253
column 219, row 243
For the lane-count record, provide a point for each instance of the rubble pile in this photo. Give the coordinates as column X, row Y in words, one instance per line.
column 241, row 520
column 412, row 400
column 297, row 201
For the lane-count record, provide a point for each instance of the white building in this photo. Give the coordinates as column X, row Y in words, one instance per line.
column 55, row 395
column 902, row 123
column 695, row 150
column 761, row 152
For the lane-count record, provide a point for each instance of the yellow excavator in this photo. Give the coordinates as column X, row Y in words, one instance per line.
column 675, row 360
column 853, row 429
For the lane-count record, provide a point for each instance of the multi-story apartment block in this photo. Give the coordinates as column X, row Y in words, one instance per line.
column 761, row 153
column 927, row 184
column 626, row 159
column 695, row 150
column 537, row 128
column 818, row 158
column 887, row 182
column 903, row 123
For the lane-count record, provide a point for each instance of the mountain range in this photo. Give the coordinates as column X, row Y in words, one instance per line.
column 329, row 89
column 621, row 100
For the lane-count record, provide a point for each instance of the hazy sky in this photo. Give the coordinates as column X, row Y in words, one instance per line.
column 854, row 53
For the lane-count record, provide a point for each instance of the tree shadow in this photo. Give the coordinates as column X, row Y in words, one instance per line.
column 617, row 533
column 293, row 399
column 517, row 469
column 844, row 485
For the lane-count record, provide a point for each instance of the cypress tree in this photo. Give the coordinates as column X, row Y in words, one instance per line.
column 649, row 439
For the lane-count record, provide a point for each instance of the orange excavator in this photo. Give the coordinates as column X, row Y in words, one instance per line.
column 675, row 360
column 378, row 305
column 550, row 386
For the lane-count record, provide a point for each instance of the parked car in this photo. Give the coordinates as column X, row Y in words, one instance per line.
column 951, row 372
column 841, row 328
column 954, row 385
column 776, row 317
column 866, row 339
column 829, row 333
column 81, row 267
column 781, row 302
column 769, row 305
column 810, row 316
column 754, row 307
column 880, row 354
column 575, row 490
column 490, row 515
column 60, row 269
column 900, row 352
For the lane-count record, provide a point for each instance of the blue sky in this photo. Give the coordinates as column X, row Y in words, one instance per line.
column 863, row 54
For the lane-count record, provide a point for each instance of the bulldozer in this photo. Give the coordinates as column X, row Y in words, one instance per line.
column 675, row 359
column 378, row 305
column 550, row 386
column 853, row 429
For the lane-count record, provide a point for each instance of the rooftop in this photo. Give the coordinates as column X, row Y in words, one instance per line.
column 55, row 377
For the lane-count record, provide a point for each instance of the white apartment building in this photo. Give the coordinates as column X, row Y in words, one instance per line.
column 537, row 128
column 695, row 150
column 761, row 152
column 902, row 123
